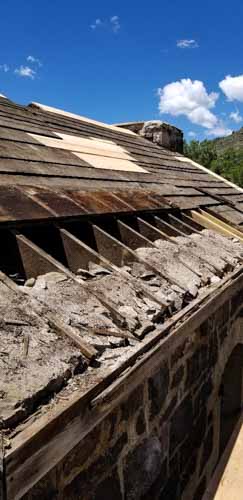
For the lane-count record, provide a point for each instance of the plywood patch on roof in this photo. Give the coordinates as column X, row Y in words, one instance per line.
column 110, row 163
column 97, row 153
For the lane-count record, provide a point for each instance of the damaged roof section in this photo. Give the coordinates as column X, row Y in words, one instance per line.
column 106, row 238
column 105, row 311
column 35, row 361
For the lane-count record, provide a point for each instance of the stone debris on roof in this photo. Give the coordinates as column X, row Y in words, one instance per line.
column 37, row 363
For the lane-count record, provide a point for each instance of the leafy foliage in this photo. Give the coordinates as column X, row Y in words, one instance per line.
column 228, row 163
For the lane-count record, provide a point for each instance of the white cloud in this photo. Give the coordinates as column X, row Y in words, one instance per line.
column 192, row 134
column 187, row 44
column 25, row 71
column 219, row 131
column 115, row 23
column 189, row 98
column 4, row 67
column 34, row 60
column 96, row 23
column 236, row 117
column 232, row 86
column 112, row 23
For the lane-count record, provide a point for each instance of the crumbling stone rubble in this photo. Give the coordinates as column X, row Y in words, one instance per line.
column 36, row 362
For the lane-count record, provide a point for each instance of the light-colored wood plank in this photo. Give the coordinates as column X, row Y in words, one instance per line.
column 67, row 114
column 110, row 163
column 228, row 227
column 215, row 225
column 83, row 145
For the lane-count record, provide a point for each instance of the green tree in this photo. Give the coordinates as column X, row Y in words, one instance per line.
column 202, row 152
column 228, row 163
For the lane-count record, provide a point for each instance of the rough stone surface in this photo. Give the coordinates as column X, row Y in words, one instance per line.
column 108, row 489
column 146, row 462
column 207, row 448
column 170, row 266
column 181, row 423
column 131, row 304
column 84, row 482
column 161, row 133
column 158, row 389
column 35, row 362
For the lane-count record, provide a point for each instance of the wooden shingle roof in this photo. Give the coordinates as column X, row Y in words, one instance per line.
column 58, row 164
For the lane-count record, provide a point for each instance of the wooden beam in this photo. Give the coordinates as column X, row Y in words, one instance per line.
column 191, row 222
column 228, row 227
column 150, row 232
column 150, row 228
column 78, row 254
column 155, row 225
column 87, row 350
column 109, row 333
column 55, row 322
column 215, row 224
column 174, row 242
column 193, row 318
column 32, row 255
column 112, row 249
column 156, row 235
column 117, row 251
column 35, row 260
column 93, row 256
column 178, row 224
column 132, row 238
column 166, row 227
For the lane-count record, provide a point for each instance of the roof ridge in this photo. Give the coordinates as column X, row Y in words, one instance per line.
column 69, row 114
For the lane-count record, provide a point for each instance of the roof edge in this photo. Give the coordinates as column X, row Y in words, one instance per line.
column 207, row 170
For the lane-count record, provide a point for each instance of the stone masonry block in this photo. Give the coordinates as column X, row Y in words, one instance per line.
column 142, row 467
column 133, row 403
column 158, row 386
column 76, row 459
column 88, row 478
column 108, row 489
column 178, row 376
column 207, row 448
column 181, row 423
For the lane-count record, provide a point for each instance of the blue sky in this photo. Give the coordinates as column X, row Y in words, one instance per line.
column 107, row 60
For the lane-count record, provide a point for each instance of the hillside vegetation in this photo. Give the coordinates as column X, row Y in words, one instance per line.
column 233, row 141
column 222, row 156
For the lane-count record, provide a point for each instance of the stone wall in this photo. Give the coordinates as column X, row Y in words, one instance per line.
column 161, row 133
column 161, row 441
